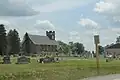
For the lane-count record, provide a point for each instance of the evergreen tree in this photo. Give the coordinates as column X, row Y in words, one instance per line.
column 26, row 44
column 9, row 39
column 3, row 41
column 14, row 41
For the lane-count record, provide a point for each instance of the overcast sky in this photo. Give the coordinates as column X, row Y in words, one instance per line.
column 73, row 20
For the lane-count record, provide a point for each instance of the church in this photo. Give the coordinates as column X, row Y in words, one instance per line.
column 37, row 44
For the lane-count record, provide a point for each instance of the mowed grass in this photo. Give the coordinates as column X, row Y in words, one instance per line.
column 64, row 70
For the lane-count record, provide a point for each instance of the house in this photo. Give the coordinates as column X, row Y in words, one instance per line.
column 113, row 49
column 40, row 44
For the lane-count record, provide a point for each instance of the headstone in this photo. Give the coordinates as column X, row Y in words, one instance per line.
column 6, row 60
column 23, row 60
column 40, row 60
column 57, row 59
column 46, row 60
column 107, row 60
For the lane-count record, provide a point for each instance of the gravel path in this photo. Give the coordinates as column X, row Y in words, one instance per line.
column 108, row 77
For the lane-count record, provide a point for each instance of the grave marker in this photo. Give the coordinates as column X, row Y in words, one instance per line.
column 23, row 60
column 6, row 60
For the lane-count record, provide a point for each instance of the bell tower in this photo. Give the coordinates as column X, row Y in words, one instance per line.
column 51, row 35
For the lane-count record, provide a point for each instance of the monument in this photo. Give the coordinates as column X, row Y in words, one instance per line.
column 23, row 60
column 47, row 60
column 6, row 58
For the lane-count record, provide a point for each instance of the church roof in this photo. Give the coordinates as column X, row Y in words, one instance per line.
column 42, row 40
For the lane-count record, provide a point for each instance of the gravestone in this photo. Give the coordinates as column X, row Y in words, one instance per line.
column 23, row 60
column 109, row 58
column 46, row 60
column 6, row 60
column 57, row 59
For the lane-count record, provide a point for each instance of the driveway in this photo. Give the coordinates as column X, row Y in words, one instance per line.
column 108, row 77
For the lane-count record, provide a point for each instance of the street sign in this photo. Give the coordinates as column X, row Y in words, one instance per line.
column 96, row 39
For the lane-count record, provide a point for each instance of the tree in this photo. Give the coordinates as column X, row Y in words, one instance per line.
column 118, row 39
column 14, row 41
column 86, row 54
column 79, row 48
column 3, row 41
column 26, row 44
column 101, row 50
column 71, row 47
column 94, row 54
column 9, row 35
column 64, row 47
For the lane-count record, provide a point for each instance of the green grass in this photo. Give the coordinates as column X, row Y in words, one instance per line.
column 65, row 70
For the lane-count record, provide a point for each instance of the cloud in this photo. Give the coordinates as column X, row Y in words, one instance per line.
column 16, row 8
column 88, row 23
column 62, row 35
column 103, row 7
column 44, row 25
column 107, row 35
column 109, row 8
column 59, row 5
column 82, row 37
column 41, row 26
column 6, row 23
column 10, row 25
column 74, row 33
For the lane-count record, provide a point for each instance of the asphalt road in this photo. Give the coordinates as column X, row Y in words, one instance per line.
column 108, row 77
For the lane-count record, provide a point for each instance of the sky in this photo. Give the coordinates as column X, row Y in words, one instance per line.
column 73, row 20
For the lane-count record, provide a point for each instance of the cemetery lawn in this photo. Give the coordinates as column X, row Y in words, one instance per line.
column 65, row 70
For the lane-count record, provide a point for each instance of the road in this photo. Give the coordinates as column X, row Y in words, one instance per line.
column 108, row 77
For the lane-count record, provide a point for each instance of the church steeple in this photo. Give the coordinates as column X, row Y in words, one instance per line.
column 51, row 34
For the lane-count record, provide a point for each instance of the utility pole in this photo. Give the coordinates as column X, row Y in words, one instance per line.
column 97, row 41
